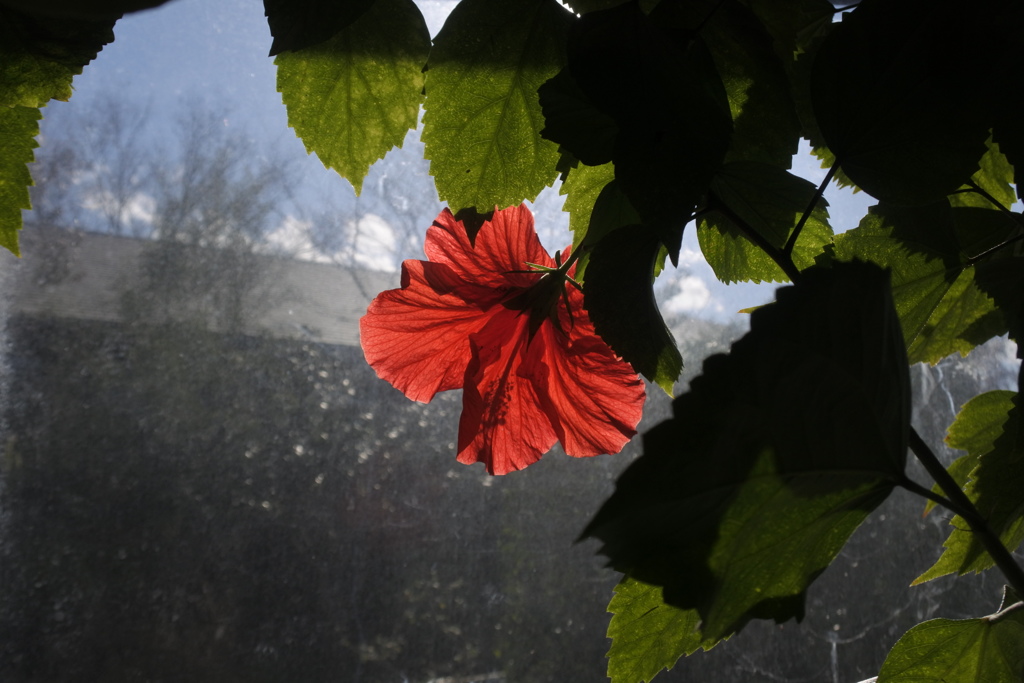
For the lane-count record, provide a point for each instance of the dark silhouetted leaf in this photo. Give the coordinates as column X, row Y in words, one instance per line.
column 39, row 56
column 298, row 24
column 903, row 93
column 619, row 279
column 1003, row 281
column 573, row 122
column 775, row 455
column 765, row 123
column 612, row 211
column 665, row 173
column 799, row 71
column 793, row 24
column 584, row 6
column 354, row 97
column 1007, row 131
column 88, row 10
column 659, row 83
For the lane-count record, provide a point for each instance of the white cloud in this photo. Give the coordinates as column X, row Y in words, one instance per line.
column 374, row 243
column 140, row 208
column 292, row 238
column 693, row 296
column 690, row 257
column 368, row 242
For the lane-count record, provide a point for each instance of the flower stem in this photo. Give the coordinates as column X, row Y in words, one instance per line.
column 959, row 503
column 574, row 256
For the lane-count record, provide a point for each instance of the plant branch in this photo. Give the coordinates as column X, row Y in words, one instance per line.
column 963, row 506
column 1016, row 218
column 988, row 252
column 995, row 202
column 791, row 242
column 1006, row 611
column 925, row 492
column 708, row 16
column 782, row 258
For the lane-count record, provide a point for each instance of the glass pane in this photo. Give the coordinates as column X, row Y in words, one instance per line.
column 204, row 481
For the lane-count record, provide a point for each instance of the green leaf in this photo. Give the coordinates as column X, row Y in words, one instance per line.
column 977, row 425
column 483, row 118
column 354, row 97
column 994, row 176
column 770, row 201
column 647, row 635
column 773, row 458
column 941, row 307
column 989, row 428
column 19, row 127
column 948, row 651
column 39, row 56
column 581, row 188
column 903, row 93
column 619, row 279
column 298, row 24
column 980, row 422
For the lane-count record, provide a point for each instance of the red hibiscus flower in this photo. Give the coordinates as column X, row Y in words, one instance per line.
column 495, row 318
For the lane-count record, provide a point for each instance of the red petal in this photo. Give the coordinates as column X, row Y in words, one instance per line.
column 505, row 243
column 417, row 337
column 594, row 399
column 446, row 328
column 503, row 424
